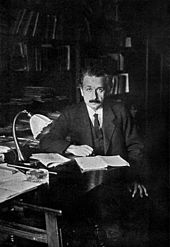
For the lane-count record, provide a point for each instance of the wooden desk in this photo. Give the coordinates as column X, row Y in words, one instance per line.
column 19, row 225
column 70, row 180
column 70, row 173
column 18, row 193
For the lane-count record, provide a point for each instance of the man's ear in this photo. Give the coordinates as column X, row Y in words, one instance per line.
column 81, row 90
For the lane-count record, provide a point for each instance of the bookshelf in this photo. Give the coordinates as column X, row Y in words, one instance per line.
column 34, row 53
column 47, row 47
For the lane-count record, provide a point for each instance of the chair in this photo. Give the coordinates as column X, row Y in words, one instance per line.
column 52, row 235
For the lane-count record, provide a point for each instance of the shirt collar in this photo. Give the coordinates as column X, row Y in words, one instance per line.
column 99, row 111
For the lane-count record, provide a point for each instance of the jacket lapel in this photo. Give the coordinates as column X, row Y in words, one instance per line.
column 109, row 125
column 85, row 125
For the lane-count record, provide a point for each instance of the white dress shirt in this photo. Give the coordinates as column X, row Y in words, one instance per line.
column 91, row 113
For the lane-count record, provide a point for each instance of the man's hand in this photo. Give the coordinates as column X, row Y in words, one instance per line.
column 136, row 187
column 82, row 150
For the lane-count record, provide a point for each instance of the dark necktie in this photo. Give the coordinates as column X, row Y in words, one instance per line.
column 96, row 124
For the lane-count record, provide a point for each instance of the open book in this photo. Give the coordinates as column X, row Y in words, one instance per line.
column 50, row 159
column 100, row 162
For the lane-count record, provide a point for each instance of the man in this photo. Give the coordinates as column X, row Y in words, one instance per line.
column 99, row 126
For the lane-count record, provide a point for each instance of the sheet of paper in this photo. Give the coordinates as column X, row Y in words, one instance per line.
column 114, row 161
column 10, row 174
column 91, row 163
column 100, row 162
column 4, row 149
column 13, row 183
column 50, row 159
column 6, row 194
column 19, row 186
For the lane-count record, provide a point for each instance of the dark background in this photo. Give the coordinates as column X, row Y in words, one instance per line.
column 93, row 30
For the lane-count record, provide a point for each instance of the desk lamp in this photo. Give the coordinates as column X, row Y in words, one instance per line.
column 37, row 124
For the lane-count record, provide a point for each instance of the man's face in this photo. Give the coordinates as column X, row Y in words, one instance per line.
column 93, row 91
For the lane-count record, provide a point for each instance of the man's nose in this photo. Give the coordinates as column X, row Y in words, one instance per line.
column 95, row 94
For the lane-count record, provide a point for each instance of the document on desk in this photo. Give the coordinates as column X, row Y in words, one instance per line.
column 100, row 162
column 50, row 159
column 13, row 183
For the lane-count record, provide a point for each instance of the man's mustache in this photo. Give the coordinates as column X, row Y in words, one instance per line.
column 94, row 101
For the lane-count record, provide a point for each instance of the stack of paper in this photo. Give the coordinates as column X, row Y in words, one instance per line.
column 13, row 183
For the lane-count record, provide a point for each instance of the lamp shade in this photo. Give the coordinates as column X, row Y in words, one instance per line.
column 37, row 123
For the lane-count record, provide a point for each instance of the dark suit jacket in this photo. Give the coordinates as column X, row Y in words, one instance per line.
column 119, row 131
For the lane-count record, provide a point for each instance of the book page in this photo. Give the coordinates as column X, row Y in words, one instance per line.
column 91, row 163
column 50, row 159
column 100, row 162
column 114, row 161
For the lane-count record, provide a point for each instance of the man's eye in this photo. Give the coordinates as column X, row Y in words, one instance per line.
column 101, row 90
column 88, row 89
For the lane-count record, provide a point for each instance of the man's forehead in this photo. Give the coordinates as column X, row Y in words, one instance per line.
column 93, row 80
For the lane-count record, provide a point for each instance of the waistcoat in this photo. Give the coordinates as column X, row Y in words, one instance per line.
column 98, row 141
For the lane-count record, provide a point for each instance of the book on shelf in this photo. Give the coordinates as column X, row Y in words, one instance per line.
column 35, row 24
column 19, row 20
column 28, row 22
column 100, row 162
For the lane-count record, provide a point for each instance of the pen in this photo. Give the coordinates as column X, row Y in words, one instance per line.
column 20, row 167
column 27, row 168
